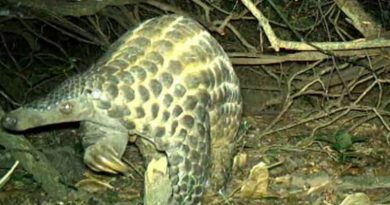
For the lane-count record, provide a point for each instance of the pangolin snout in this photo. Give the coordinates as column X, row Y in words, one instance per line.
column 9, row 122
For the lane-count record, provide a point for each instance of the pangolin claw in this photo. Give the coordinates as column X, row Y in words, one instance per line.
column 104, row 159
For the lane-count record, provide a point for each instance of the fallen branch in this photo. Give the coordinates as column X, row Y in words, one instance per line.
column 278, row 44
column 261, row 59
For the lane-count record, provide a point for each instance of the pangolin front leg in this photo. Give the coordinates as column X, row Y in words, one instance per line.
column 104, row 148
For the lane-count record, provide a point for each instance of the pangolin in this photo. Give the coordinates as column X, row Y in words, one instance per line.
column 167, row 81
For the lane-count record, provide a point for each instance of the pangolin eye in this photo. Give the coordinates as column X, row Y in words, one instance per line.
column 66, row 107
column 88, row 91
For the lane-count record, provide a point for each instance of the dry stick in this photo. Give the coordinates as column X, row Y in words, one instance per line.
column 344, row 83
column 327, row 71
column 120, row 15
column 347, row 88
column 161, row 6
column 321, row 93
column 75, row 28
column 360, row 122
column 386, row 103
column 276, row 43
column 384, row 80
column 289, row 100
column 231, row 15
column 264, row 24
column 348, row 109
column 113, row 29
column 70, row 8
column 44, row 38
column 50, row 56
column 128, row 19
column 284, row 19
column 205, row 8
column 96, row 27
column 132, row 166
column 129, row 14
column 368, row 89
column 377, row 80
column 303, row 90
column 356, row 82
column 222, row 24
column 9, row 53
column 354, row 106
column 10, row 100
column 20, row 75
column 165, row 7
column 270, row 73
column 338, row 29
column 381, row 119
column 345, row 112
column 69, row 33
column 320, row 115
column 317, row 21
column 240, row 16
column 250, row 47
column 353, row 85
column 136, row 13
column 354, row 117
column 359, row 18
column 374, row 110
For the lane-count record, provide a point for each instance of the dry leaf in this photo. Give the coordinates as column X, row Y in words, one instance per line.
column 240, row 160
column 92, row 185
column 356, row 199
column 257, row 183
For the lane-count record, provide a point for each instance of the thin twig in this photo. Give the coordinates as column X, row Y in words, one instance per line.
column 44, row 38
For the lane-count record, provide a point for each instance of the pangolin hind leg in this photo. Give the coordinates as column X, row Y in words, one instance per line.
column 157, row 184
column 222, row 151
column 148, row 150
column 188, row 150
column 104, row 148
column 225, row 124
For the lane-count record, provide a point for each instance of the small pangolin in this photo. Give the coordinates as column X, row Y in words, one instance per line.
column 167, row 81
